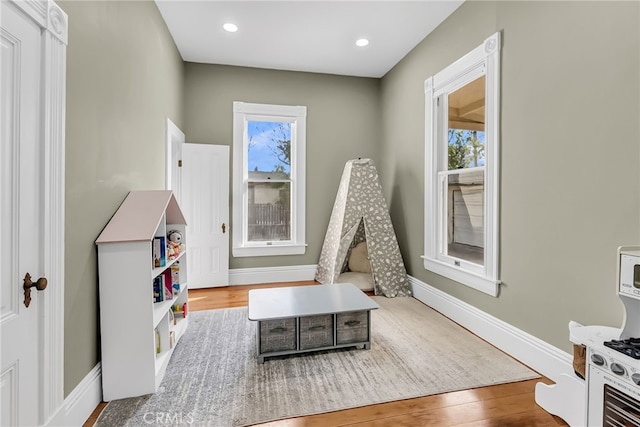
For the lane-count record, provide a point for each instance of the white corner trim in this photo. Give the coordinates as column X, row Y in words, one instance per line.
column 81, row 402
column 539, row 355
column 250, row 276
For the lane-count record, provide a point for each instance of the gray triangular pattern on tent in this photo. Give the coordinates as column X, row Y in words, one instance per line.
column 360, row 200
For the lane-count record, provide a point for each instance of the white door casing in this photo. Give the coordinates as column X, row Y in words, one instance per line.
column 205, row 202
column 33, row 55
column 175, row 139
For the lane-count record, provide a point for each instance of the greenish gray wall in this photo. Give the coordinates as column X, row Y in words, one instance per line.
column 570, row 181
column 124, row 79
column 343, row 116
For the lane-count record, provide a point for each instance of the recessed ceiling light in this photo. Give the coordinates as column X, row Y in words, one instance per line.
column 232, row 28
column 362, row 42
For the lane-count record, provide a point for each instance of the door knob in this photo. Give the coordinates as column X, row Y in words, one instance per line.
column 224, row 228
column 39, row 284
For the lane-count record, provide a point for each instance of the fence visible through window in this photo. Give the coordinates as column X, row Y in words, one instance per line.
column 268, row 221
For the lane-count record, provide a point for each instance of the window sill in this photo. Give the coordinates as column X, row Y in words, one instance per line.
column 268, row 250
column 467, row 278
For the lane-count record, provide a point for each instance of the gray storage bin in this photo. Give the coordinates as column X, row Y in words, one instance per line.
column 277, row 335
column 352, row 327
column 316, row 331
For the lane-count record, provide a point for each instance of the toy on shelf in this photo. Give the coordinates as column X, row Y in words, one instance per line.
column 180, row 310
column 174, row 246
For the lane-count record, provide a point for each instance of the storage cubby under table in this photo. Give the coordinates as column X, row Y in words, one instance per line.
column 299, row 319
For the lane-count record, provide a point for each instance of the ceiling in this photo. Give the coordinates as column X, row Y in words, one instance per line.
column 303, row 35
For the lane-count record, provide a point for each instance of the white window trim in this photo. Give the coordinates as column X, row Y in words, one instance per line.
column 297, row 115
column 483, row 60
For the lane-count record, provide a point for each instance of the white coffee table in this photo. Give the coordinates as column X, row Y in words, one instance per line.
column 300, row 319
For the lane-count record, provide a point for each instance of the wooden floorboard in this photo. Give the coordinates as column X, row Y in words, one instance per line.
column 502, row 405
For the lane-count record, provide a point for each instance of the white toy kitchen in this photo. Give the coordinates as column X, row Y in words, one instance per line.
column 610, row 393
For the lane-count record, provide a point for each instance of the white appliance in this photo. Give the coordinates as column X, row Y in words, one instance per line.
column 613, row 365
column 629, row 273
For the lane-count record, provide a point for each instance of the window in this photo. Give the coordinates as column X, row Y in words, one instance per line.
column 461, row 169
column 268, row 179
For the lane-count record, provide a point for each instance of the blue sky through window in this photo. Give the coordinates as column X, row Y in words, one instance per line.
column 265, row 147
column 467, row 139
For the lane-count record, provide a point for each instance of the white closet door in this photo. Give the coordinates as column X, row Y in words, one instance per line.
column 205, row 201
column 32, row 47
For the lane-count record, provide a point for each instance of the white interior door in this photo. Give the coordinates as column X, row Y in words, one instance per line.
column 205, row 202
column 31, row 213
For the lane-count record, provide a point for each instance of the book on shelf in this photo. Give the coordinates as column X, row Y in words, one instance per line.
column 158, row 290
column 167, row 284
column 162, row 287
column 159, row 251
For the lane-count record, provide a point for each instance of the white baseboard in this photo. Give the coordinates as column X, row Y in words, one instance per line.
column 81, row 402
column 539, row 355
column 250, row 276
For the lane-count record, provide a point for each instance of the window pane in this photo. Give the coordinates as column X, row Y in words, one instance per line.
column 466, row 148
column 466, row 125
column 269, row 149
column 269, row 211
column 465, row 216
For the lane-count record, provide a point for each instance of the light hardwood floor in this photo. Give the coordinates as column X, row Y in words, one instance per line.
column 499, row 406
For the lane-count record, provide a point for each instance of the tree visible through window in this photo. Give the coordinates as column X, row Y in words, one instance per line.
column 466, row 148
column 269, row 180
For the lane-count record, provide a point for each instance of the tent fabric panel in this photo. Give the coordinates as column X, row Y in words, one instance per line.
column 360, row 200
column 387, row 267
column 325, row 272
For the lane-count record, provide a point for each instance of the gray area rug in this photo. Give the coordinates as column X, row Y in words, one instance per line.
column 213, row 378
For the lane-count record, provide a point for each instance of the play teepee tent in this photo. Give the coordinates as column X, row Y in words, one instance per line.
column 360, row 214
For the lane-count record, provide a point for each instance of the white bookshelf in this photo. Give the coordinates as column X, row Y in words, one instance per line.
column 129, row 317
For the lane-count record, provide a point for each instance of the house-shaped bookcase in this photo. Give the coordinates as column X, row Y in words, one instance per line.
column 143, row 293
